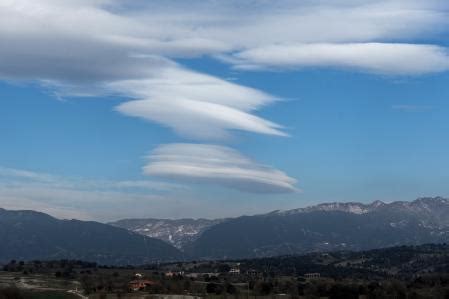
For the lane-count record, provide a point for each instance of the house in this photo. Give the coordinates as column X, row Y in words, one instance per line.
column 171, row 274
column 312, row 275
column 234, row 271
column 140, row 284
column 198, row 275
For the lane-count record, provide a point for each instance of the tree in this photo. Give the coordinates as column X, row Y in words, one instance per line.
column 214, row 288
column 230, row 289
column 87, row 284
column 342, row 291
column 11, row 293
column 263, row 288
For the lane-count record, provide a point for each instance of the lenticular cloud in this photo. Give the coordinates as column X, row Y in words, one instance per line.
column 216, row 164
column 196, row 105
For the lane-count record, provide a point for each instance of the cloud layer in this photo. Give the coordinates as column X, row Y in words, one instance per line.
column 216, row 164
column 115, row 47
column 97, row 41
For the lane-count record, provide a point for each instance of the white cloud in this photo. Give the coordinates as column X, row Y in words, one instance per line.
column 110, row 46
column 412, row 108
column 216, row 164
column 381, row 58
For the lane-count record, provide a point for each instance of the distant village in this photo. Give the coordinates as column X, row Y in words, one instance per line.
column 229, row 271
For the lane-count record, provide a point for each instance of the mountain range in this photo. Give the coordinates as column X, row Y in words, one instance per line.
column 324, row 227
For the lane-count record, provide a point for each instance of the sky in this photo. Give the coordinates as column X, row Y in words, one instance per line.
column 114, row 109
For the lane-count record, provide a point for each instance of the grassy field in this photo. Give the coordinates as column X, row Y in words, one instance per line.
column 36, row 294
column 38, row 286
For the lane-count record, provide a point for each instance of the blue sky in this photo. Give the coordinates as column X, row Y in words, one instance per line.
column 174, row 112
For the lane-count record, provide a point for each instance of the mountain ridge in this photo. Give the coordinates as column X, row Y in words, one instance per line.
column 27, row 234
column 325, row 227
column 361, row 208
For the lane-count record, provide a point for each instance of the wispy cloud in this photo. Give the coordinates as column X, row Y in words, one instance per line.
column 412, row 108
column 379, row 58
column 12, row 173
column 67, row 197
column 17, row 177
column 216, row 164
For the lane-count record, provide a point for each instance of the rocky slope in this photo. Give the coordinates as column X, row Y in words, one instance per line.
column 178, row 232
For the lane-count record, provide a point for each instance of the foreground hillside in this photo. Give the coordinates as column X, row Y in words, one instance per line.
column 29, row 235
column 397, row 272
column 401, row 262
